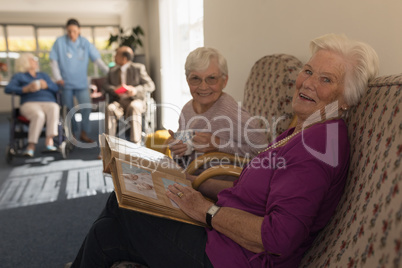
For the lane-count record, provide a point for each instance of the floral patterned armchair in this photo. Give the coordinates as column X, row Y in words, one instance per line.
column 366, row 230
column 269, row 91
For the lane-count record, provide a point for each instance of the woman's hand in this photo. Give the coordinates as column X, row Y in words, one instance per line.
column 60, row 82
column 31, row 87
column 190, row 201
column 43, row 84
column 242, row 227
column 205, row 142
column 177, row 147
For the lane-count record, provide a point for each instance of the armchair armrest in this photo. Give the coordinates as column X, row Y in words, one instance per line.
column 229, row 170
column 223, row 158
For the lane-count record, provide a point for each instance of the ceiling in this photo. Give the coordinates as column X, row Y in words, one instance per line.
column 64, row 6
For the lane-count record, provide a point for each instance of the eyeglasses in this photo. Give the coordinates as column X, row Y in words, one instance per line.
column 210, row 80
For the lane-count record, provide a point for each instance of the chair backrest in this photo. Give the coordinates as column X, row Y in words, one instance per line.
column 269, row 90
column 149, row 116
column 98, row 82
column 98, row 96
column 366, row 229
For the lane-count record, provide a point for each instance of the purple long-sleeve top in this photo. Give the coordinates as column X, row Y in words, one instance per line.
column 296, row 188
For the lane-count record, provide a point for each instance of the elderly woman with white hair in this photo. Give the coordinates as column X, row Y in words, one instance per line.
column 38, row 101
column 219, row 122
column 270, row 216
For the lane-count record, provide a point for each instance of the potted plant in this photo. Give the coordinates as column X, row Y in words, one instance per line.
column 127, row 38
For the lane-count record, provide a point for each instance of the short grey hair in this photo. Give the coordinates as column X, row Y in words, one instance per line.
column 362, row 62
column 200, row 58
column 22, row 64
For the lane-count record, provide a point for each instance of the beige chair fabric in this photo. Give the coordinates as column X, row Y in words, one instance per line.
column 269, row 90
column 366, row 230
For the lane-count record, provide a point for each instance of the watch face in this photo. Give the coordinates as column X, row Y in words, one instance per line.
column 213, row 209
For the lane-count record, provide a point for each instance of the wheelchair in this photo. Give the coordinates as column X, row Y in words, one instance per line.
column 148, row 120
column 123, row 129
column 18, row 138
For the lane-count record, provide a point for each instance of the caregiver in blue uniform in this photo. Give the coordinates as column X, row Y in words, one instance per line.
column 69, row 60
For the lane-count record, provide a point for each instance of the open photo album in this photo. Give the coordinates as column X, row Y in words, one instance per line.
column 141, row 176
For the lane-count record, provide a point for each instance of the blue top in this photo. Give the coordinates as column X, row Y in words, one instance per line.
column 72, row 58
column 20, row 80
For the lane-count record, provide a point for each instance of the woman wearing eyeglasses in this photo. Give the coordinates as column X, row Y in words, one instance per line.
column 219, row 122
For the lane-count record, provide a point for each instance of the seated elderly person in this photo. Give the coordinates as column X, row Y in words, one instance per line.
column 38, row 101
column 270, row 216
column 218, row 121
column 127, row 85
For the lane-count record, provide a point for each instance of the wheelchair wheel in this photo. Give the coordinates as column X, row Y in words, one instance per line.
column 10, row 153
column 65, row 149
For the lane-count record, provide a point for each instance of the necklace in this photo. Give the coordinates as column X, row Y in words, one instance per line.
column 285, row 140
column 281, row 142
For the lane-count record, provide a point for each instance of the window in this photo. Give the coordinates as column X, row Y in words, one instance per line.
column 181, row 28
column 15, row 39
column 46, row 38
column 102, row 35
column 3, row 53
column 21, row 38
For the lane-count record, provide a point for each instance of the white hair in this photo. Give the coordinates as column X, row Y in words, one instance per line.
column 362, row 62
column 200, row 58
column 22, row 64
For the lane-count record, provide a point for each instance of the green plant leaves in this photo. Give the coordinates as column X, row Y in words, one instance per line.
column 132, row 39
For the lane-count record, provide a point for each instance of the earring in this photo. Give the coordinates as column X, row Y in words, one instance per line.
column 344, row 108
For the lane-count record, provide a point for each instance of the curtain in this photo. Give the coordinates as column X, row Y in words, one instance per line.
column 181, row 30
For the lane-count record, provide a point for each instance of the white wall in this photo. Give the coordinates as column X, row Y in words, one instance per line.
column 244, row 31
column 154, row 46
column 136, row 14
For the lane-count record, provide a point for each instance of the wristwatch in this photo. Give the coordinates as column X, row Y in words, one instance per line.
column 211, row 213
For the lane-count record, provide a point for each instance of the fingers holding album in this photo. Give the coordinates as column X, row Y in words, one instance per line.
column 189, row 200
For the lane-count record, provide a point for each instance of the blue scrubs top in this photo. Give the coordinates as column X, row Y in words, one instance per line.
column 72, row 58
